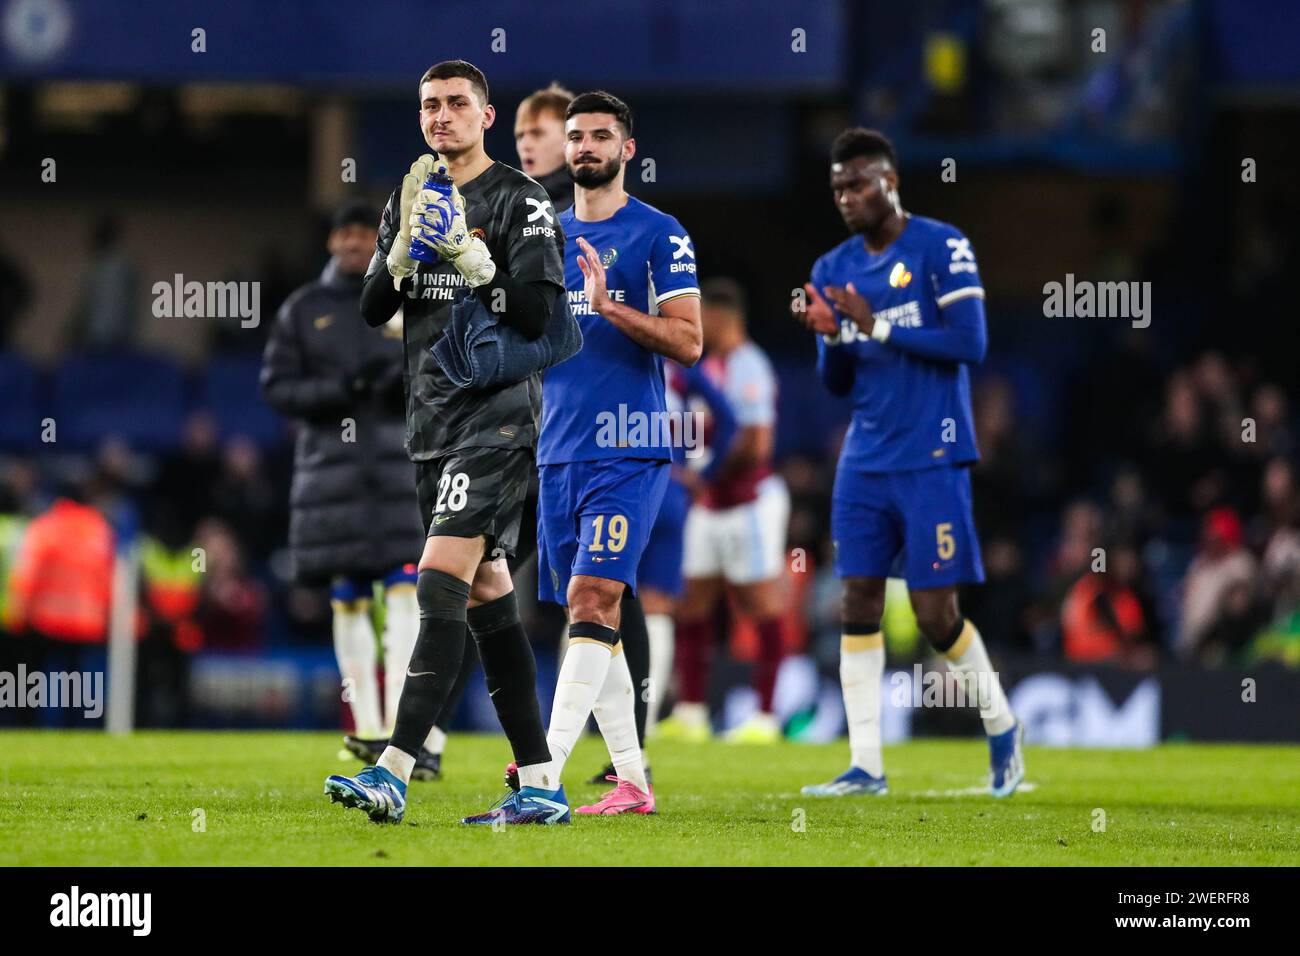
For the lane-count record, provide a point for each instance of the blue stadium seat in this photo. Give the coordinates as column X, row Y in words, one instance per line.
column 20, row 412
column 137, row 398
column 230, row 393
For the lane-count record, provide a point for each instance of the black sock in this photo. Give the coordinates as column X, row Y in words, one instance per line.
column 636, row 645
column 511, row 674
column 467, row 664
column 435, row 662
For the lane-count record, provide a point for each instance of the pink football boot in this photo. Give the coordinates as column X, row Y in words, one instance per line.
column 626, row 797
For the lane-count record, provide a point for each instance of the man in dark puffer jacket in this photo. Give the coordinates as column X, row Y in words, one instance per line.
column 355, row 518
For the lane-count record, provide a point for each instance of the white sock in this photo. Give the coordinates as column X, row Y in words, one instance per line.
column 862, row 664
column 582, row 675
column 969, row 658
column 401, row 628
column 539, row 775
column 660, row 629
column 615, row 711
column 354, row 646
column 436, row 741
column 398, row 762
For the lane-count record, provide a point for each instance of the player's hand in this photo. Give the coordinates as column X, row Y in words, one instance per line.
column 438, row 219
column 400, row 263
column 850, row 303
column 593, row 277
column 816, row 314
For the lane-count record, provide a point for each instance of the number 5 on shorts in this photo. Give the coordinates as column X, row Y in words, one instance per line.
column 947, row 544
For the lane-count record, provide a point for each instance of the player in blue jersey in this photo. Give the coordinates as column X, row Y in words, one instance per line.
column 605, row 448
column 899, row 312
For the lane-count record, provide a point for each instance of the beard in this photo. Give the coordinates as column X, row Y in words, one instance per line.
column 593, row 175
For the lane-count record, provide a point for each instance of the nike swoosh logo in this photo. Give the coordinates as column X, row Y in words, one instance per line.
column 441, row 518
column 411, row 673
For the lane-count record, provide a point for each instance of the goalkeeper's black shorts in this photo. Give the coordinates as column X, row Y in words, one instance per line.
column 476, row 491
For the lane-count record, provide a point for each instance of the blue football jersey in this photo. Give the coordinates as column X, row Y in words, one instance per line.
column 909, row 412
column 608, row 400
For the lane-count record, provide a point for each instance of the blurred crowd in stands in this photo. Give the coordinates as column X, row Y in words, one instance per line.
column 205, row 522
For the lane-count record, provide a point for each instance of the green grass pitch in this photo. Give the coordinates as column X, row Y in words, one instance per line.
column 88, row 798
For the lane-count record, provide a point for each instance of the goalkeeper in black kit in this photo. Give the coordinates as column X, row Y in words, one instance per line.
column 461, row 220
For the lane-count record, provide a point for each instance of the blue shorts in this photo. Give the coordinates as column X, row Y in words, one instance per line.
column 594, row 518
column 917, row 525
column 661, row 565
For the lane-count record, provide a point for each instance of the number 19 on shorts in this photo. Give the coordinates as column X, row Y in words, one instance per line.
column 614, row 536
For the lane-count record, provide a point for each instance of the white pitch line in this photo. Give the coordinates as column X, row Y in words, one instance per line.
column 983, row 791
column 970, row 791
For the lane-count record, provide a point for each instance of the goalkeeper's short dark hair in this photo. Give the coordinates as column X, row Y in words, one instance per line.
column 598, row 101
column 448, row 69
column 859, row 141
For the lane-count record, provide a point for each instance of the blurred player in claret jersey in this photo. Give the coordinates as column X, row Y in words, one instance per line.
column 899, row 312
column 702, row 450
column 630, row 274
column 735, row 534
